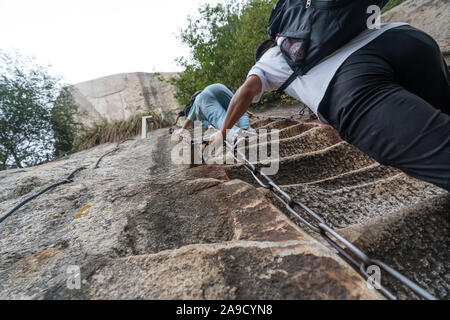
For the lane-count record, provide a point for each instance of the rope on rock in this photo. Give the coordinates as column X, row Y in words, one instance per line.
column 110, row 152
column 22, row 203
column 68, row 179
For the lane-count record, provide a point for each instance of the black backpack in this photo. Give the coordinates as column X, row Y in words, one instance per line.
column 314, row 29
column 188, row 107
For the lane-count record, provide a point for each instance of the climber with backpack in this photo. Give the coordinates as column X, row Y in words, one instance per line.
column 386, row 90
column 187, row 109
column 210, row 106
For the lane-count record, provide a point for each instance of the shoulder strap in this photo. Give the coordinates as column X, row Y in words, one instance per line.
column 195, row 96
column 289, row 81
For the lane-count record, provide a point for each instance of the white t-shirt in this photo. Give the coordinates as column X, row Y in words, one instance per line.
column 310, row 88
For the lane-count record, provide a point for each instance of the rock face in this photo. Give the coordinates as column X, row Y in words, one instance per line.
column 431, row 16
column 142, row 227
column 118, row 96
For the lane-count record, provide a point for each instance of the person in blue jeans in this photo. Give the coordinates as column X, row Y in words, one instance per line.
column 211, row 106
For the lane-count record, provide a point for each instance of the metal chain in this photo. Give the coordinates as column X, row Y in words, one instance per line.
column 301, row 113
column 360, row 260
column 189, row 140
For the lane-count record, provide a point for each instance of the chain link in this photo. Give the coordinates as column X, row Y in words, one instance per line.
column 301, row 113
column 357, row 258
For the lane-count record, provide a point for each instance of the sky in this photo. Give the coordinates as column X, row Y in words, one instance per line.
column 88, row 39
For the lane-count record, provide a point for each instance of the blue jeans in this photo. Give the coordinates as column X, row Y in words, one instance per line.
column 213, row 103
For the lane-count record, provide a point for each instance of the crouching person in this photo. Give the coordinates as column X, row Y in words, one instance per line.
column 210, row 105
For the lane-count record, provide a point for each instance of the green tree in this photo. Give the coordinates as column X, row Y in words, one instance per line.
column 27, row 96
column 3, row 158
column 222, row 40
column 64, row 124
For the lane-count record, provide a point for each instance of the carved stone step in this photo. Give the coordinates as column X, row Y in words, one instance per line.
column 351, row 205
column 415, row 241
column 314, row 166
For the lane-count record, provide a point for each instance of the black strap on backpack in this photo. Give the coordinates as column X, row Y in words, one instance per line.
column 288, row 82
column 188, row 107
column 307, row 31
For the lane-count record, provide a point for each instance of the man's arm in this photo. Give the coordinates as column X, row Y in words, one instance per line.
column 239, row 104
column 186, row 124
column 180, row 131
column 176, row 120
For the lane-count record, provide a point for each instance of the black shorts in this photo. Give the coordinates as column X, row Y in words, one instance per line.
column 391, row 99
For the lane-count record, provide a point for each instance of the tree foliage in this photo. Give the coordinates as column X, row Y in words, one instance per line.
column 391, row 4
column 65, row 127
column 222, row 40
column 31, row 129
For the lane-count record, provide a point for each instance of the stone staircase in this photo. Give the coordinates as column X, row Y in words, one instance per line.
column 390, row 216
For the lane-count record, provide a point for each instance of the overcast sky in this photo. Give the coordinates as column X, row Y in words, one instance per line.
column 87, row 39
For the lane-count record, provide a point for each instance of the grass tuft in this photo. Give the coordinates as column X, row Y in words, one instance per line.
column 118, row 130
